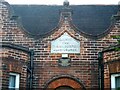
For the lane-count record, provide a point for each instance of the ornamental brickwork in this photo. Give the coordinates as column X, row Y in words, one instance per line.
column 83, row 66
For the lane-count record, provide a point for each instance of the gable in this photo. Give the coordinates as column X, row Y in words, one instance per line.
column 42, row 19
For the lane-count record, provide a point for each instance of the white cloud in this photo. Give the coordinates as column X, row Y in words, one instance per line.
column 60, row 2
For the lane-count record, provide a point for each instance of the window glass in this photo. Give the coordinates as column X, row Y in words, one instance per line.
column 12, row 80
column 117, row 82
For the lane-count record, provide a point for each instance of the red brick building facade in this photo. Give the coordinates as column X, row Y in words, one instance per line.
column 111, row 63
column 29, row 57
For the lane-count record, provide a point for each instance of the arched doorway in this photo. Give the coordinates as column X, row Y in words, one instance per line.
column 64, row 83
column 64, row 88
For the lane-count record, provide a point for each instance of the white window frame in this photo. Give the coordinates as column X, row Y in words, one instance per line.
column 113, row 76
column 17, row 81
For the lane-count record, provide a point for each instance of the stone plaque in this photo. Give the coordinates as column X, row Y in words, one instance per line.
column 65, row 44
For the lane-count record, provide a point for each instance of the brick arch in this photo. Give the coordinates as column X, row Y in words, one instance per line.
column 59, row 81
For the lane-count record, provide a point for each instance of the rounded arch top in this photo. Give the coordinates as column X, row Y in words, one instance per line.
column 64, row 81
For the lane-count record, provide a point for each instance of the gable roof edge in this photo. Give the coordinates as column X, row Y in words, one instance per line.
column 90, row 36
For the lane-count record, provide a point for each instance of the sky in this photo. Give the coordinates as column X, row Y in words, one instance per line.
column 60, row 2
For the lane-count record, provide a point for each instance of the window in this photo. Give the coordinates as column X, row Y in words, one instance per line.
column 115, row 81
column 14, row 80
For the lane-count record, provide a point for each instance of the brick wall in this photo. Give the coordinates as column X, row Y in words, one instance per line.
column 14, row 61
column 84, row 66
column 112, row 66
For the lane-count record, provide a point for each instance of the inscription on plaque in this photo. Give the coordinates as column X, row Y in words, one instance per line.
column 65, row 44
